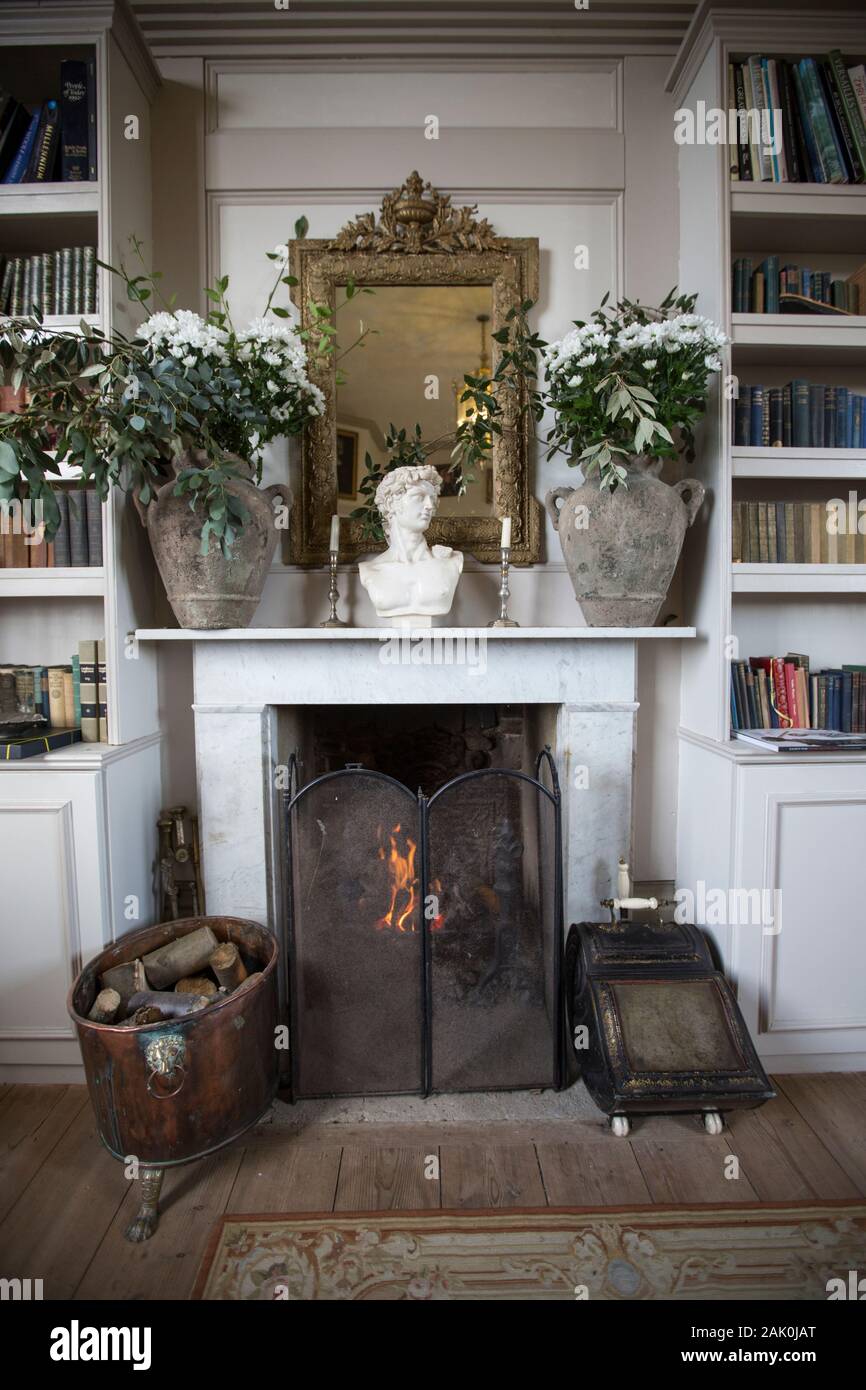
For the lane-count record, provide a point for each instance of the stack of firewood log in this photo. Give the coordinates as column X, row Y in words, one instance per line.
column 187, row 974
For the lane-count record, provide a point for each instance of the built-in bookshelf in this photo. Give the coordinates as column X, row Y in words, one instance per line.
column 45, row 611
column 772, row 810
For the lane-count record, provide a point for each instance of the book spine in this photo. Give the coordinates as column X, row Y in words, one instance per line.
column 787, row 417
column 743, row 160
column 77, row 529
column 776, row 440
column 18, row 168
column 61, row 536
column 94, row 526
column 782, row 556
column 819, row 174
column 102, row 690
column 68, row 699
column 756, row 428
column 76, row 691
column 55, row 696
column 41, row 166
column 88, row 692
column 792, row 153
column 800, row 414
column 742, row 415
column 844, row 140
column 74, row 166
column 92, row 159
column 819, row 117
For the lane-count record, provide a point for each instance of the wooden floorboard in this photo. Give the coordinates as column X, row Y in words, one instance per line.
column 65, row 1204
column 278, row 1176
column 834, row 1107
column 33, row 1124
column 57, row 1225
column 376, row 1178
column 605, row 1173
column 478, row 1175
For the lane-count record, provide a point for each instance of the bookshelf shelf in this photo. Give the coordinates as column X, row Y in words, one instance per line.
column 821, row 465
column 67, row 582
column 798, row 579
column 799, row 339
column 49, row 199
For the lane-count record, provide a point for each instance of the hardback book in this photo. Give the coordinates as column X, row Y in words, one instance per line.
column 14, row 125
column 94, row 526
column 74, row 122
column 77, row 505
column 102, row 690
column 29, row 745
column 89, row 693
column 68, row 699
column 61, row 536
column 18, row 167
column 43, row 157
column 56, row 702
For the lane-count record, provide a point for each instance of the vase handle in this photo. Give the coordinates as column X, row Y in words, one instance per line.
column 555, row 495
column 691, row 494
column 281, row 490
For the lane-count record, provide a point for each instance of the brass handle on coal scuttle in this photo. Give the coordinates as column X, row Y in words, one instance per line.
column 165, row 1057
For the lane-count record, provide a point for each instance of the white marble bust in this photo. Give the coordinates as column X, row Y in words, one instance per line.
column 410, row 583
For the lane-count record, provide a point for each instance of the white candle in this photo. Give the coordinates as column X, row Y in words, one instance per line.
column 505, row 542
column 335, row 534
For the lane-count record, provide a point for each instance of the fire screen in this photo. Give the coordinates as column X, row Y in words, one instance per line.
column 424, row 934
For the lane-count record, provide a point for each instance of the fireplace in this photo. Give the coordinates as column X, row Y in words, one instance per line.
column 424, row 922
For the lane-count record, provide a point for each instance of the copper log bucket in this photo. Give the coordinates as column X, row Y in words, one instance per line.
column 168, row 1092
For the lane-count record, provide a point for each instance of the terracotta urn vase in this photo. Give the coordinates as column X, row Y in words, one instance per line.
column 621, row 548
column 210, row 591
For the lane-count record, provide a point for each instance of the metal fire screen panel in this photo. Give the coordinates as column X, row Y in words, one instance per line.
column 424, row 936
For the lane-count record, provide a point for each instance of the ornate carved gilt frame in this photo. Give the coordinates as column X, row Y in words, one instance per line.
column 419, row 239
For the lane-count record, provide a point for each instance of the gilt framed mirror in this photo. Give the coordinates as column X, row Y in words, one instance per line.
column 442, row 283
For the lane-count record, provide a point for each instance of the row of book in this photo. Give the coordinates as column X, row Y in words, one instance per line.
column 53, row 282
column 62, row 697
column 819, row 133
column 774, row 692
column 771, row 289
column 77, row 541
column 797, row 533
column 801, row 415
column 56, row 140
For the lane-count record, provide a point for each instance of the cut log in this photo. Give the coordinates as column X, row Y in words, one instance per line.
column 227, row 965
column 144, row 1016
column 127, row 979
column 170, row 1005
column 186, row 955
column 197, row 984
column 106, row 1007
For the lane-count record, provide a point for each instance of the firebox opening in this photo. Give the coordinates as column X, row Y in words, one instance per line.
column 424, row 932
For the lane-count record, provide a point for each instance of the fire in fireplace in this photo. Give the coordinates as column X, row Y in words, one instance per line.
column 424, row 933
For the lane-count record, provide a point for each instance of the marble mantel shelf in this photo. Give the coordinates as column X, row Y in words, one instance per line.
column 375, row 634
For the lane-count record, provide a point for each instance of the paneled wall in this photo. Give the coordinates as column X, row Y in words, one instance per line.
column 579, row 154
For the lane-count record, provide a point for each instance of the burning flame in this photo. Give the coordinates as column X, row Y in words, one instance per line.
column 402, row 884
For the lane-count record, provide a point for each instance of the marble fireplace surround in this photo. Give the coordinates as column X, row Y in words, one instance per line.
column 243, row 677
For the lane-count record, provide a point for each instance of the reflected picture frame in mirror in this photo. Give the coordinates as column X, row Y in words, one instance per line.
column 418, row 238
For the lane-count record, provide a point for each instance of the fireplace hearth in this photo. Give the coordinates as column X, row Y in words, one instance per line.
column 424, row 929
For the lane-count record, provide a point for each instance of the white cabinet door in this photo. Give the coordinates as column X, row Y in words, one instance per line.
column 801, row 973
column 52, row 910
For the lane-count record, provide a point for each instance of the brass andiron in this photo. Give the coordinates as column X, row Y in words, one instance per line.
column 503, row 620
column 333, row 595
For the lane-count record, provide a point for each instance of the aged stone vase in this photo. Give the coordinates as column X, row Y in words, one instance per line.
column 210, row 591
column 621, row 548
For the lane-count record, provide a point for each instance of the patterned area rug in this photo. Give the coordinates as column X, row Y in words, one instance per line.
column 756, row 1251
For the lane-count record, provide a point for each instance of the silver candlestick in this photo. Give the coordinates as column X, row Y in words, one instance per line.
column 503, row 620
column 333, row 595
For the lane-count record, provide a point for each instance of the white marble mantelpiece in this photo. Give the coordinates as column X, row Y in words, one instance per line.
column 242, row 677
